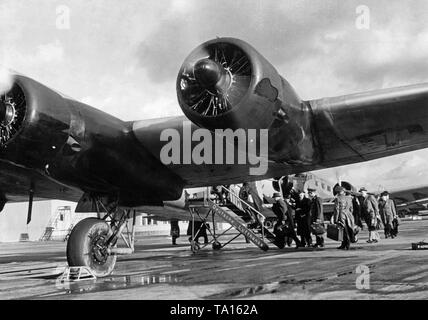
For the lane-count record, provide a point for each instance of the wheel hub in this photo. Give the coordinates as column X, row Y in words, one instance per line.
column 99, row 250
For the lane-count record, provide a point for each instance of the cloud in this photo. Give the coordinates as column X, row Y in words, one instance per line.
column 281, row 31
column 51, row 52
column 392, row 173
column 5, row 80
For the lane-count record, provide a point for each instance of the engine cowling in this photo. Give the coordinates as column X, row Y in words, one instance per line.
column 350, row 189
column 34, row 123
column 226, row 83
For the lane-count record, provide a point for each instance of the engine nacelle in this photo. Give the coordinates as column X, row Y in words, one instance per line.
column 78, row 146
column 34, row 123
column 350, row 189
column 226, row 83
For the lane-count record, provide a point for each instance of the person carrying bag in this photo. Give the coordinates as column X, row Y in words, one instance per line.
column 343, row 216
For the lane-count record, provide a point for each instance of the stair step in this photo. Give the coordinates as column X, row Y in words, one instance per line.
column 239, row 224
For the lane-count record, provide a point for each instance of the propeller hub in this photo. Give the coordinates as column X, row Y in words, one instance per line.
column 7, row 113
column 208, row 72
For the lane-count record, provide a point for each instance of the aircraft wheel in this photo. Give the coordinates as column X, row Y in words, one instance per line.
column 216, row 245
column 86, row 247
column 195, row 247
column 268, row 224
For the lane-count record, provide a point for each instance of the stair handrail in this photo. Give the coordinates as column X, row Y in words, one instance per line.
column 241, row 201
column 244, row 202
column 52, row 223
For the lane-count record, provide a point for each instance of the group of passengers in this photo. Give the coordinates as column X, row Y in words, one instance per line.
column 300, row 215
column 304, row 212
column 377, row 212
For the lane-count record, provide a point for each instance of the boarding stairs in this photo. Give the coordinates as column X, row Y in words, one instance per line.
column 47, row 234
column 235, row 212
column 241, row 208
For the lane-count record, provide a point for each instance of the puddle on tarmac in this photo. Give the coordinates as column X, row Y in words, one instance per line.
column 115, row 283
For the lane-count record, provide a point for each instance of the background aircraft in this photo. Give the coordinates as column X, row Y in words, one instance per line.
column 55, row 147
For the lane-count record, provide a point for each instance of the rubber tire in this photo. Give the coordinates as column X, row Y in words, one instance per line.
column 194, row 246
column 268, row 224
column 79, row 246
column 216, row 245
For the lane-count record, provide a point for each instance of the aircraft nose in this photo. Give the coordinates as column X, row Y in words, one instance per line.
column 207, row 72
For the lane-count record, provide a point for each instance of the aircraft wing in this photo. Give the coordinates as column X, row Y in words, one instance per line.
column 412, row 199
column 411, row 195
column 346, row 129
column 15, row 182
column 371, row 125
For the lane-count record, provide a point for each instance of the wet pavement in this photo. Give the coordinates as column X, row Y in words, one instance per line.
column 158, row 270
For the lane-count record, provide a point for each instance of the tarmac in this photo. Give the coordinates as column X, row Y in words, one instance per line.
column 157, row 271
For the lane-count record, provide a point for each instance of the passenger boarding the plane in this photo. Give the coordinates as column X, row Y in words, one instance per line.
column 388, row 214
column 284, row 226
column 343, row 216
column 303, row 219
column 317, row 215
column 370, row 213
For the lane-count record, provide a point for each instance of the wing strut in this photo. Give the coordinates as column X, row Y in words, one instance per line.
column 30, row 203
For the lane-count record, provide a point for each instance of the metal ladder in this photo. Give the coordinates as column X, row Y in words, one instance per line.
column 47, row 234
column 50, row 226
column 233, row 219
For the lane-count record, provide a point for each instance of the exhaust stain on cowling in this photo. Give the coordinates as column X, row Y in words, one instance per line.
column 265, row 89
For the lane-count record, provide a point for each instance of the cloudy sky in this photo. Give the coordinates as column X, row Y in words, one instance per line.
column 123, row 56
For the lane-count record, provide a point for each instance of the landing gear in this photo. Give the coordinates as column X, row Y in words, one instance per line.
column 93, row 241
column 269, row 224
column 88, row 246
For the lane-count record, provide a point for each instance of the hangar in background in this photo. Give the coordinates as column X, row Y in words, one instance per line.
column 54, row 219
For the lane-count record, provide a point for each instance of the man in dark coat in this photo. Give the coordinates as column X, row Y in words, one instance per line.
column 357, row 212
column 175, row 231
column 303, row 219
column 387, row 213
column 343, row 216
column 285, row 223
column 370, row 213
column 317, row 214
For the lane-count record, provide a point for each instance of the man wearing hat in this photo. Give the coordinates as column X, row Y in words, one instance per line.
column 370, row 213
column 317, row 214
column 387, row 213
column 285, row 223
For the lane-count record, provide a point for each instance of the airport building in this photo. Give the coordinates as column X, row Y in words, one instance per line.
column 54, row 220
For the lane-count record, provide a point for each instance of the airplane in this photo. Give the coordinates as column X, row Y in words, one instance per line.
column 54, row 147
